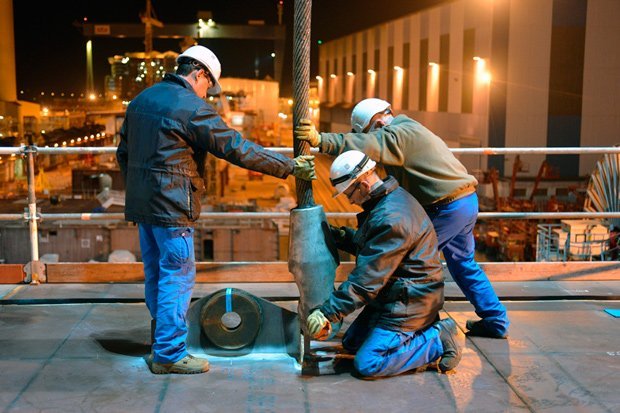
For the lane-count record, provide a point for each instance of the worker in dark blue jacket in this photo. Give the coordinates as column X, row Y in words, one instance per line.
column 397, row 278
column 167, row 133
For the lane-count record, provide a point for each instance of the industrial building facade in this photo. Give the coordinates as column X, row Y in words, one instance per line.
column 497, row 73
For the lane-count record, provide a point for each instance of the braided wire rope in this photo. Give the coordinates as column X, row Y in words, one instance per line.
column 301, row 87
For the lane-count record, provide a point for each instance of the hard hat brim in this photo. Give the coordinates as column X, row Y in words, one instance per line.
column 216, row 89
column 338, row 193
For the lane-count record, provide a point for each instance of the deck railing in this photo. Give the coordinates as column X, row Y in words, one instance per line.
column 34, row 270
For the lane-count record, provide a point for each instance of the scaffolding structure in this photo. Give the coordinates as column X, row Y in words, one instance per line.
column 573, row 240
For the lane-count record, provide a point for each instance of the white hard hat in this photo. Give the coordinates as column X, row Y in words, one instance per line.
column 207, row 58
column 364, row 111
column 347, row 167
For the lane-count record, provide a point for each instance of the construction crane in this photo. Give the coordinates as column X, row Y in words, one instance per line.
column 516, row 167
column 543, row 171
column 187, row 32
column 149, row 19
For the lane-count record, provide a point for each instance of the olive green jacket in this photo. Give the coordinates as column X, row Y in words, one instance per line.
column 420, row 161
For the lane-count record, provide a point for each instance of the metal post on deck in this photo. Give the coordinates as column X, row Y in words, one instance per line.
column 311, row 261
column 35, row 270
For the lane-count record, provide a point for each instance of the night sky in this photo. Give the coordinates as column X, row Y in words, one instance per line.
column 50, row 51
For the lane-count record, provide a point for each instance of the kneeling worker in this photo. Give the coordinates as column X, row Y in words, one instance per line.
column 397, row 278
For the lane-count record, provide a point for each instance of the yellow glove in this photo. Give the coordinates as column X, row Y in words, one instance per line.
column 319, row 327
column 304, row 167
column 306, row 131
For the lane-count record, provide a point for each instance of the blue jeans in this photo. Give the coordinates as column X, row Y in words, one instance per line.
column 382, row 352
column 454, row 224
column 169, row 275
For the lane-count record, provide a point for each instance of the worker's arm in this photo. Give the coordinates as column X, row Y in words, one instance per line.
column 208, row 132
column 343, row 237
column 384, row 146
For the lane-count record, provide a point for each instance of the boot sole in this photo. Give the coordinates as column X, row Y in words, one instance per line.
column 159, row 370
column 175, row 370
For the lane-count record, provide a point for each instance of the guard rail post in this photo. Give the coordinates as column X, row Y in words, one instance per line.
column 34, row 270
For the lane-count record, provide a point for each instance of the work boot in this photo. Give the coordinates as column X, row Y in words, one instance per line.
column 477, row 328
column 451, row 351
column 187, row 365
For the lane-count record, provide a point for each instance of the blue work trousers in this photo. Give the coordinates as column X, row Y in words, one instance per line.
column 382, row 352
column 454, row 224
column 169, row 276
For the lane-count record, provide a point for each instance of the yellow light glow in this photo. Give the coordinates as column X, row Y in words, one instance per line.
column 398, row 68
column 350, row 74
column 482, row 73
column 333, row 76
column 290, row 102
column 433, row 64
column 319, row 78
column 372, row 72
column 92, row 96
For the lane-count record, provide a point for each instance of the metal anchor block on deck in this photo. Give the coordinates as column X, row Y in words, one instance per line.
column 233, row 322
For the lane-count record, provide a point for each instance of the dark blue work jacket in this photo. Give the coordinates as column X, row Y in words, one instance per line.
column 166, row 135
column 397, row 268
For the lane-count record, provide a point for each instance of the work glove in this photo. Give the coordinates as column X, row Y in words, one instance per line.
column 304, row 167
column 337, row 233
column 318, row 326
column 306, row 131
